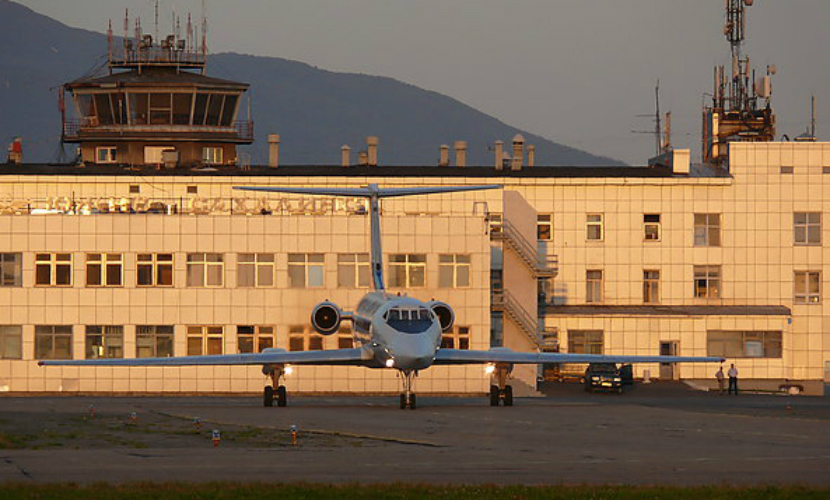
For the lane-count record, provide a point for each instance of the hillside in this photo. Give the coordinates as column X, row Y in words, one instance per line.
column 314, row 110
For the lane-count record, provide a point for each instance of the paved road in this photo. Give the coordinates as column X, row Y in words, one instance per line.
column 658, row 435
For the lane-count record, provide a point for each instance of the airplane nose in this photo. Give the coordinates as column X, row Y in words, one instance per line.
column 412, row 355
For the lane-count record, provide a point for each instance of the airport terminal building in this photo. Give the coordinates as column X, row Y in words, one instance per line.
column 143, row 248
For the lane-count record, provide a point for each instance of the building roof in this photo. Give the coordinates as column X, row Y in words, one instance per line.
column 645, row 310
column 155, row 77
column 357, row 171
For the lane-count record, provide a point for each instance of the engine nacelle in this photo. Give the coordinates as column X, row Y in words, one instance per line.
column 326, row 318
column 445, row 314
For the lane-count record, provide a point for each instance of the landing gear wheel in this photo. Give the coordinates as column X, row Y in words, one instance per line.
column 411, row 401
column 282, row 396
column 508, row 395
column 494, row 395
column 403, row 401
column 268, row 396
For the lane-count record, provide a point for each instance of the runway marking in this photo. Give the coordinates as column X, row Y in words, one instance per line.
column 324, row 432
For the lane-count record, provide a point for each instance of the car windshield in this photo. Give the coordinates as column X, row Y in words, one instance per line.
column 604, row 368
column 415, row 320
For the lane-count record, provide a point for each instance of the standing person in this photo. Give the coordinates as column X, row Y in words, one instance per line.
column 733, row 379
column 721, row 380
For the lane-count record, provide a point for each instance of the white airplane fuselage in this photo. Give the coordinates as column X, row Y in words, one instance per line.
column 402, row 332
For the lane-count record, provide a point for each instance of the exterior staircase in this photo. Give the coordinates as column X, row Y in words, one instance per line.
column 542, row 265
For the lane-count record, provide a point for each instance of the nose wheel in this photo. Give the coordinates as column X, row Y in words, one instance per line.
column 408, row 397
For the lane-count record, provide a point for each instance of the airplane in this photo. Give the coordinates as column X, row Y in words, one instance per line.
column 390, row 331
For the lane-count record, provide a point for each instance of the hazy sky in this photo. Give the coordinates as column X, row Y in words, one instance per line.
column 576, row 71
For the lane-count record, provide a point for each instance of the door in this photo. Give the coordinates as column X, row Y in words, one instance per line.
column 668, row 371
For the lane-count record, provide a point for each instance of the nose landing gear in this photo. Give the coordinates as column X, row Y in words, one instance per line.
column 408, row 397
column 269, row 395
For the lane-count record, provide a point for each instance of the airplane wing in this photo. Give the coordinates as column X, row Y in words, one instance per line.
column 355, row 356
column 504, row 355
column 347, row 192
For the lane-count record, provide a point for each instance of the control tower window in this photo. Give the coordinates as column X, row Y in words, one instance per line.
column 214, row 110
column 103, row 109
column 138, row 109
column 199, row 109
column 229, row 110
column 160, row 108
column 86, row 108
column 182, row 104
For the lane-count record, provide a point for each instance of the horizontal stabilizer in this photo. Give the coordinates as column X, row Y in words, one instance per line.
column 369, row 191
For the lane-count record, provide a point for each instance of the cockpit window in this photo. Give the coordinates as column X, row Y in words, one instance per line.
column 409, row 320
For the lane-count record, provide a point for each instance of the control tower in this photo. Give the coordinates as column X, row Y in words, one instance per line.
column 156, row 106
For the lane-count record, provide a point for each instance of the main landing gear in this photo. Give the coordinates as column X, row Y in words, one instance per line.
column 269, row 395
column 408, row 397
column 502, row 391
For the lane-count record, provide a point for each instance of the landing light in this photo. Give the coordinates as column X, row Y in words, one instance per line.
column 289, row 370
column 390, row 363
column 489, row 368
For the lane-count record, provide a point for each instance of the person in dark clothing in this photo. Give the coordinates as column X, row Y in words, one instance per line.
column 733, row 379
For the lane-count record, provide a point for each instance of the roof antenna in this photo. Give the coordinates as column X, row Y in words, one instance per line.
column 156, row 36
column 813, row 118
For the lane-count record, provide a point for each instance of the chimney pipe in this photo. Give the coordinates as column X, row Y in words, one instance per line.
column 362, row 158
column 531, row 156
column 345, row 156
column 372, row 144
column 460, row 153
column 444, row 160
column 273, row 150
column 518, row 152
column 499, row 155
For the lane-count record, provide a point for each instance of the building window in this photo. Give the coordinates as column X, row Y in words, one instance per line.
column 744, row 344
column 301, row 339
column 585, row 341
column 205, row 270
column 651, row 227
column 453, row 271
column 595, row 227
column 250, row 338
column 104, row 269
column 807, row 228
column 53, row 269
column 345, row 339
column 11, row 342
column 651, row 287
column 53, row 342
column 192, row 189
column 544, row 227
column 496, row 222
column 11, row 269
column 135, row 189
column 153, row 341
column 807, row 287
column 593, row 283
column 306, row 270
column 353, row 270
column 104, row 342
column 407, row 270
column 106, row 154
column 212, row 156
column 205, row 340
column 457, row 338
column 707, row 230
column 155, row 269
column 255, row 270
column 707, row 282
